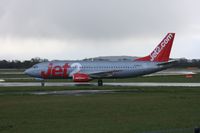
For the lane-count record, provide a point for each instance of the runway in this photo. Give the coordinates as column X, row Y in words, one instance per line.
column 138, row 84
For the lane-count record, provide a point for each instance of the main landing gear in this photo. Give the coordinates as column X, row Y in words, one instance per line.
column 43, row 83
column 100, row 82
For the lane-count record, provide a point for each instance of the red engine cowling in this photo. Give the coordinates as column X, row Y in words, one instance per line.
column 81, row 77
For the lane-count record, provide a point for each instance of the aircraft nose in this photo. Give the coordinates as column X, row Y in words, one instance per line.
column 27, row 71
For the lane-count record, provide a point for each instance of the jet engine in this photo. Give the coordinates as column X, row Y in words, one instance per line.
column 81, row 77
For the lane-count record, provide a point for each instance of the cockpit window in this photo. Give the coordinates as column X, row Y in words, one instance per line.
column 35, row 66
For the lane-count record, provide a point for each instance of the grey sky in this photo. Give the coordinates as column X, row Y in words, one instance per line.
column 75, row 29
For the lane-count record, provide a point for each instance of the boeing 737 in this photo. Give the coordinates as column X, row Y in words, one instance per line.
column 85, row 71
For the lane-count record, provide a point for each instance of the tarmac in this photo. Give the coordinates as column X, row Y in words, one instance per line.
column 138, row 84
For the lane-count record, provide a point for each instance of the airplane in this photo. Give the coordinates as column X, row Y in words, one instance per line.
column 85, row 71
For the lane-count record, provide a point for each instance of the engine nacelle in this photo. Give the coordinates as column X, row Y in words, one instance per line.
column 81, row 77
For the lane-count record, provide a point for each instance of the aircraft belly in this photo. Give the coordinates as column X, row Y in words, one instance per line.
column 124, row 74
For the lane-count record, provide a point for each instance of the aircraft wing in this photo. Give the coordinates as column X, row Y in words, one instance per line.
column 101, row 74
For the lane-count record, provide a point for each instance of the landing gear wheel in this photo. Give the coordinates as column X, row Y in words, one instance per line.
column 100, row 82
column 42, row 83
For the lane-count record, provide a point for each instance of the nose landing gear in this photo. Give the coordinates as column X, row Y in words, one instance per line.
column 43, row 83
column 100, row 82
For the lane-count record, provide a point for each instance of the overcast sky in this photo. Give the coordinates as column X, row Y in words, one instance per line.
column 76, row 29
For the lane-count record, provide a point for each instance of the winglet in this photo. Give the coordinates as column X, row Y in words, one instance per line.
column 162, row 52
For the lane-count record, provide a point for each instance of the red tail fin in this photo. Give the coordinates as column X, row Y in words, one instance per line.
column 162, row 52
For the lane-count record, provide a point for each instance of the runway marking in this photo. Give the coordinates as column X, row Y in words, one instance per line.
column 156, row 84
column 2, row 80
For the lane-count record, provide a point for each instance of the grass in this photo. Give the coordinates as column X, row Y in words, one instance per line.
column 127, row 88
column 151, row 109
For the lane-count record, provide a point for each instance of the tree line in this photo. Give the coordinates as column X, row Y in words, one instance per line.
column 183, row 62
column 17, row 64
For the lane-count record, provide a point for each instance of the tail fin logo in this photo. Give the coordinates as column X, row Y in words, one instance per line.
column 160, row 47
